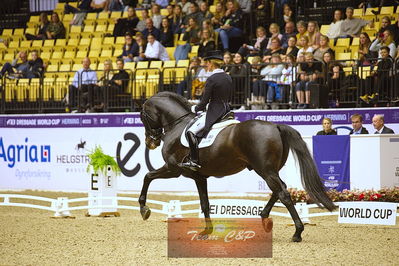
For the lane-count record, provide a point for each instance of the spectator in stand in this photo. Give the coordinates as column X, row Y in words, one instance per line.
column 194, row 13
column 129, row 24
column 324, row 46
column 393, row 28
column 239, row 73
column 227, row 62
column 141, row 42
column 162, row 3
column 309, row 73
column 274, row 30
column 204, row 12
column 120, row 81
column 41, row 35
column 301, row 28
column 274, row 49
column 260, row 44
column 191, row 37
column 357, row 125
column 207, row 44
column 155, row 50
column 166, row 37
column 289, row 31
column 378, row 124
column 364, row 52
column 86, row 6
column 26, row 69
column 288, row 14
column 304, row 43
column 115, row 5
column 288, row 75
column 352, row 27
column 386, row 39
column 83, row 85
column 335, row 27
column 170, row 9
column 314, row 34
column 150, row 29
column 185, row 5
column 207, row 25
column 327, row 127
column 156, row 16
column 219, row 14
column 335, row 82
column 130, row 49
column 291, row 49
column 141, row 25
column 232, row 24
column 194, row 68
column 273, row 92
column 256, row 67
column 177, row 20
column 245, row 6
column 55, row 29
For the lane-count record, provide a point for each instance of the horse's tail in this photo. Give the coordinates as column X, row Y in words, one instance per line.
column 309, row 175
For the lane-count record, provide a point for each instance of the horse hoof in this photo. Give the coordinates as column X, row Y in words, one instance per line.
column 296, row 239
column 145, row 212
column 267, row 224
column 206, row 232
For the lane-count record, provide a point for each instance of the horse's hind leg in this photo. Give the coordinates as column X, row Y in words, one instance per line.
column 163, row 172
column 280, row 191
column 266, row 210
column 202, row 187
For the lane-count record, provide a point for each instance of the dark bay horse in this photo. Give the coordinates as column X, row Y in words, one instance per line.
column 253, row 144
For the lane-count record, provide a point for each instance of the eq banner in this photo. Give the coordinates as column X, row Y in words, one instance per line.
column 331, row 154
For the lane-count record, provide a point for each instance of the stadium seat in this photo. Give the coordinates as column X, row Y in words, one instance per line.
column 21, row 89
column 13, row 44
column 7, row 32
column 69, row 54
column 57, row 55
column 139, row 86
column 19, row 32
column 358, row 12
column 156, row 64
column 142, row 64
column 84, row 42
column 324, row 29
column 169, row 63
column 170, row 51
column 369, row 11
column 45, row 55
column 33, row 89
column 48, row 85
column 355, row 41
column 96, row 44
column 102, row 16
column 94, row 54
column 183, row 63
column 343, row 42
column 9, row 57
column 130, row 65
column 120, row 40
column 65, row 68
column 10, row 90
column 105, row 54
column 52, row 68
column 114, row 15
column 31, row 31
column 48, row 43
column 343, row 56
column 117, row 52
column 151, row 86
column 109, row 40
column 73, row 42
column 101, row 28
column 91, row 16
column 81, row 54
column 110, row 28
column 37, row 44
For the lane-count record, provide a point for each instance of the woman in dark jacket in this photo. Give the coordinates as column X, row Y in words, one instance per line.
column 327, row 127
column 166, row 36
column 207, row 44
column 41, row 35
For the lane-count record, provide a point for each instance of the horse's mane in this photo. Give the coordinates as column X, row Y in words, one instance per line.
column 178, row 98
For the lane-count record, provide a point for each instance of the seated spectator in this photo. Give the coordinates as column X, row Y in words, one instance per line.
column 185, row 5
column 335, row 27
column 207, row 25
column 239, row 73
column 177, row 20
column 206, row 45
column 288, row 76
column 194, row 14
column 83, row 7
column 218, row 15
column 156, row 16
column 205, row 14
column 24, row 69
column 150, row 29
column 142, row 44
column 357, row 125
column 301, row 28
column 327, row 127
column 227, row 62
column 200, row 74
column 115, row 5
column 304, row 43
column 291, row 49
column 324, row 46
column 288, row 14
column 378, row 124
column 364, row 53
column 232, row 24
column 191, row 38
column 82, row 87
column 162, row 3
column 194, row 69
column 166, row 36
column 142, row 24
column 289, row 31
column 41, row 35
column 55, row 29
column 260, row 44
column 99, row 5
column 119, row 81
column 170, row 9
column 335, row 82
column 314, row 34
column 309, row 72
column 273, row 92
column 155, row 50
column 274, row 30
column 386, row 39
column 245, row 6
column 274, row 49
column 352, row 27
column 129, row 24
column 130, row 49
column 393, row 28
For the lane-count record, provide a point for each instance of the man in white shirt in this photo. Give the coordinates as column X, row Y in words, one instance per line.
column 155, row 50
column 357, row 125
column 82, row 87
column 378, row 123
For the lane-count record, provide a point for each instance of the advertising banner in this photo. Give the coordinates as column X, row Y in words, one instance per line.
column 331, row 154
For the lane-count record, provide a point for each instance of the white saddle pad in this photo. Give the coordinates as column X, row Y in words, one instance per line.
column 210, row 138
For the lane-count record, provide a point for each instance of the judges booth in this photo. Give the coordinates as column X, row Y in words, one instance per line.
column 373, row 162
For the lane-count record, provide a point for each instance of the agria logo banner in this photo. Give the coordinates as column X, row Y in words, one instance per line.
column 12, row 153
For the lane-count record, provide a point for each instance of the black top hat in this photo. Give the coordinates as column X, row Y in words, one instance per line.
column 214, row 55
column 243, row 52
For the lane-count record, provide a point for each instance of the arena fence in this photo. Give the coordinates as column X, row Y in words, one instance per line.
column 174, row 208
column 332, row 88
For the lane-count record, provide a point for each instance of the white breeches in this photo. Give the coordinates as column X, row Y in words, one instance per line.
column 199, row 124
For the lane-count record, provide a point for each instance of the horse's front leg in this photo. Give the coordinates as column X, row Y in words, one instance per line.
column 202, row 187
column 163, row 172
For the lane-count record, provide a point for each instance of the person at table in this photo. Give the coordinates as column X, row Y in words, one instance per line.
column 378, row 123
column 357, row 125
column 327, row 127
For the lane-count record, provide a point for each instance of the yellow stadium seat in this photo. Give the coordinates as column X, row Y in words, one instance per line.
column 57, row 55
column 156, row 64
column 364, row 72
column 47, row 89
column 8, row 57
column 151, row 86
column 142, row 64
column 117, row 52
column 70, row 54
column 368, row 11
column 120, row 40
column 169, row 75
column 13, row 44
column 164, row 12
column 45, row 55
column 115, row 14
column 355, row 41
column 181, row 73
column 103, row 15
column 31, row 31
column 37, row 44
column 68, row 18
column 85, row 42
column 169, row 63
column 101, row 28
column 109, row 40
column 73, row 42
column 343, row 42
column 76, row 67
column 339, row 49
column 7, row 32
column 130, row 65
column 343, row 56
column 10, row 90
column 81, row 54
column 110, row 28
column 65, row 68
column 89, row 28
column 52, row 68
column 324, row 29
column 106, row 54
column 183, row 63
column 33, row 89
column 96, row 44
column 48, row 43
column 22, row 87
column 170, row 51
column 19, row 32
column 35, row 19
column 94, row 54
column 139, row 86
column 358, row 12
column 61, row 43
column 75, row 29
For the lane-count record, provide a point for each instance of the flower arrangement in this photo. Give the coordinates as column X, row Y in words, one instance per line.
column 99, row 162
column 384, row 194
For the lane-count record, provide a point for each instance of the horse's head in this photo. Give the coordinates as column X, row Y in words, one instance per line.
column 153, row 127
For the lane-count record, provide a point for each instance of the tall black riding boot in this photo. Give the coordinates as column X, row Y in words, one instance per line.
column 193, row 163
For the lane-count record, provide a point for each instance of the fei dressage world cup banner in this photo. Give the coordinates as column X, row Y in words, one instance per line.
column 331, row 154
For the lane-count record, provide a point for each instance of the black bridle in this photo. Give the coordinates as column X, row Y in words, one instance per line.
column 156, row 132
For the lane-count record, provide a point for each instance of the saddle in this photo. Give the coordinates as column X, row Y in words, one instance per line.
column 225, row 121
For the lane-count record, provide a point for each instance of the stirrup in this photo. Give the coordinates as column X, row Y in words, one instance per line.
column 190, row 164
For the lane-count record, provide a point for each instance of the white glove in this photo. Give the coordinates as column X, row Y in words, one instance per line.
column 193, row 109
